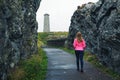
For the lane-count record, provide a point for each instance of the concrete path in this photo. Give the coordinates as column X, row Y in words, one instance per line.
column 62, row 66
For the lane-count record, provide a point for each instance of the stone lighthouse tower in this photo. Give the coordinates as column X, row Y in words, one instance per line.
column 46, row 23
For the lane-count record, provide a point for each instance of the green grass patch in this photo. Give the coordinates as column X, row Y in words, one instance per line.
column 68, row 50
column 33, row 68
column 44, row 36
column 92, row 58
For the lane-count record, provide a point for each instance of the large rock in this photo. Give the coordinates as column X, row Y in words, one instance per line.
column 100, row 25
column 18, row 32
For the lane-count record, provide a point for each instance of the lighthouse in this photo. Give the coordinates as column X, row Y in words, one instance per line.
column 46, row 23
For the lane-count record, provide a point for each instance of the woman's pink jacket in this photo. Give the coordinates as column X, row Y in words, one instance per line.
column 79, row 45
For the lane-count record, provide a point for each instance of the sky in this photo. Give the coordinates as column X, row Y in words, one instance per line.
column 60, row 13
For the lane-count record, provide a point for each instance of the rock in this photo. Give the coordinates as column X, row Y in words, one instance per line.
column 18, row 32
column 99, row 24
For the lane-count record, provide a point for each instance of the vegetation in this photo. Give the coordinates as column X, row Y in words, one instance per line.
column 44, row 36
column 93, row 59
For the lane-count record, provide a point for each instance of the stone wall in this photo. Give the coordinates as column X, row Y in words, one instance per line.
column 56, row 42
column 99, row 24
column 18, row 32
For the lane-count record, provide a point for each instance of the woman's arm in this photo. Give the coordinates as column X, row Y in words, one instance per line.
column 74, row 43
column 84, row 44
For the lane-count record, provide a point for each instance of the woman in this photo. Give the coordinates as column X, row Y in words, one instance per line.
column 79, row 46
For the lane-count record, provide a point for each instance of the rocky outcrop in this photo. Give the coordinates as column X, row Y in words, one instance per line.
column 99, row 24
column 18, row 32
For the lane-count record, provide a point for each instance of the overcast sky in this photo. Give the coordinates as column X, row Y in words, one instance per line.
column 60, row 12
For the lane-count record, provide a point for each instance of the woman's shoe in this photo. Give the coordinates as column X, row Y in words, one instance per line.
column 82, row 71
column 77, row 69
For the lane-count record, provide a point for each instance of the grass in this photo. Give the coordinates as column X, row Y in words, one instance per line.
column 93, row 60
column 33, row 68
column 44, row 36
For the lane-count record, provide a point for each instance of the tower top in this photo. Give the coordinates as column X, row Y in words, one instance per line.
column 46, row 14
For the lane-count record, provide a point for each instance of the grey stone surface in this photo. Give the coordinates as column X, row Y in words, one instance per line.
column 18, row 32
column 100, row 25
column 56, row 42
column 62, row 66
